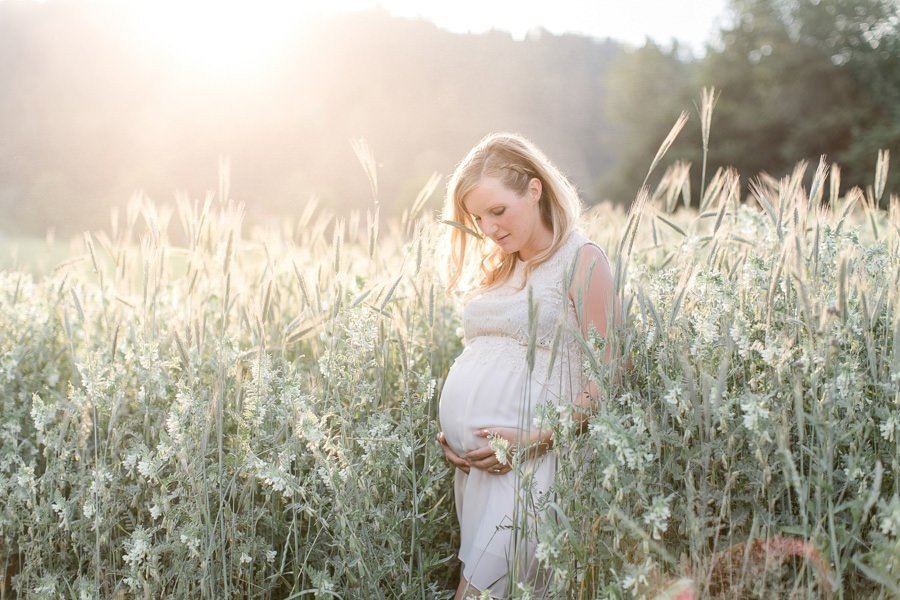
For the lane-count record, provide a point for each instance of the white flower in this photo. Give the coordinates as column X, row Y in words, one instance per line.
column 658, row 516
column 671, row 396
column 190, row 541
column 755, row 410
column 306, row 426
column 565, row 417
column 41, row 414
column 500, row 446
column 137, row 547
column 609, row 475
column 637, row 575
column 25, row 478
column 148, row 467
column 890, row 520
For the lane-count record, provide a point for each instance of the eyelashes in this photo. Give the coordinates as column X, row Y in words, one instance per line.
column 497, row 213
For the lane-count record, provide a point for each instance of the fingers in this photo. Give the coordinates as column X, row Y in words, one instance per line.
column 481, row 458
column 480, row 453
column 454, row 459
column 495, row 469
column 450, row 455
column 486, row 463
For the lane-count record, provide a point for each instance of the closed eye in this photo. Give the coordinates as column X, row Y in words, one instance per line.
column 496, row 212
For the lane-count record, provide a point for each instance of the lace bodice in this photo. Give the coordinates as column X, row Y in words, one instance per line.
column 498, row 319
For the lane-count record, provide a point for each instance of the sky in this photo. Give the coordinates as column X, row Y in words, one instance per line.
column 182, row 26
column 692, row 22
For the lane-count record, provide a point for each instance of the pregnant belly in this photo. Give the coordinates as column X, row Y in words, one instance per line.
column 481, row 392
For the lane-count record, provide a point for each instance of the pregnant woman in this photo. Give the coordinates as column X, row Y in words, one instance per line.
column 538, row 285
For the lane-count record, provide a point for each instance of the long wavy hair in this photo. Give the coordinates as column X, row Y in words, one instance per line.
column 514, row 161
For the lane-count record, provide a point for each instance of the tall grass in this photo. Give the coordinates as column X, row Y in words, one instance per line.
column 251, row 413
column 243, row 416
column 753, row 446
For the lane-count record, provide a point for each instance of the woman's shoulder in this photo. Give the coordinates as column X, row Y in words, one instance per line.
column 579, row 246
column 586, row 260
column 569, row 258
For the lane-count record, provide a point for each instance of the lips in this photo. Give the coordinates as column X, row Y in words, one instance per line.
column 500, row 239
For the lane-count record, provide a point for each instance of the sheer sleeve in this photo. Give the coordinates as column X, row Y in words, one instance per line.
column 593, row 293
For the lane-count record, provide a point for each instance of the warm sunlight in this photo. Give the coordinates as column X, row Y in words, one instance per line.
column 241, row 37
column 219, row 38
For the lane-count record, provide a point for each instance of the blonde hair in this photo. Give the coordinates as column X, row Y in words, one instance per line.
column 514, row 161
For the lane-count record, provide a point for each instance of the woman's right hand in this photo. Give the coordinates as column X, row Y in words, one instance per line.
column 459, row 462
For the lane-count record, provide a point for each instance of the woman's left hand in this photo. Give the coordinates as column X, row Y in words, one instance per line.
column 486, row 459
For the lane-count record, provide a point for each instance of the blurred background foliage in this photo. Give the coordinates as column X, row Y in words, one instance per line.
column 89, row 116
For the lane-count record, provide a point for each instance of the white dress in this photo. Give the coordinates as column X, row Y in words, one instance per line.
column 490, row 385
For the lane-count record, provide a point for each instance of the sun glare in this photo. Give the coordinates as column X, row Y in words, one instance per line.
column 233, row 38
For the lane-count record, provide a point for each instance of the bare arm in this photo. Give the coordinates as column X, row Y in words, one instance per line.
column 598, row 308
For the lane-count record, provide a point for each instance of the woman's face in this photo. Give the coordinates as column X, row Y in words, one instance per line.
column 511, row 220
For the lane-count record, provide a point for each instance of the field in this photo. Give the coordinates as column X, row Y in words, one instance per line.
column 194, row 409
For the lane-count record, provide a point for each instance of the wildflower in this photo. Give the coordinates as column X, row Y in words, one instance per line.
column 637, row 576
column 671, row 396
column 740, row 336
column 500, row 446
column 41, row 414
column 137, row 547
column 429, row 391
column 890, row 520
column 546, row 550
column 306, row 426
column 190, row 541
column 61, row 508
column 565, row 418
column 542, row 552
column 46, row 587
column 148, row 467
column 25, row 478
column 87, row 590
column 658, row 516
column 610, row 473
column 755, row 410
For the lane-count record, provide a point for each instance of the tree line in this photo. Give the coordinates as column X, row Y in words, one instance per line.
column 88, row 116
column 796, row 80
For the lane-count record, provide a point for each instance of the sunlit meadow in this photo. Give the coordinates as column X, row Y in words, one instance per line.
column 252, row 413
